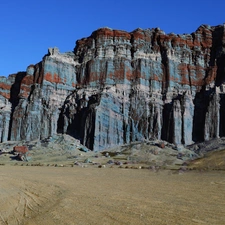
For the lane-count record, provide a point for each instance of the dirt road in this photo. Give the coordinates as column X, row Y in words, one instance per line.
column 49, row 195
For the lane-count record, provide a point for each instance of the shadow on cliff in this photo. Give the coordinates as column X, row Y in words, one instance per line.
column 81, row 126
column 217, row 57
column 220, row 78
column 78, row 120
column 222, row 113
column 201, row 103
column 14, row 96
column 167, row 128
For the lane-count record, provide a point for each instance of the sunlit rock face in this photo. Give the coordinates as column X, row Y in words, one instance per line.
column 117, row 87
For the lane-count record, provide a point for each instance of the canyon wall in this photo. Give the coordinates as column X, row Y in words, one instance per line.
column 117, row 87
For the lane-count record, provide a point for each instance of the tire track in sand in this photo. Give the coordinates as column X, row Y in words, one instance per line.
column 23, row 200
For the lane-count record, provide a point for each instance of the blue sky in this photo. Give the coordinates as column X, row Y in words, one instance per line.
column 29, row 28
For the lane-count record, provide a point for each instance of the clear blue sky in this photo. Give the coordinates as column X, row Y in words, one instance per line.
column 29, row 28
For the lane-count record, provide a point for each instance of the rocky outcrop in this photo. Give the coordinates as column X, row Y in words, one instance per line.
column 117, row 87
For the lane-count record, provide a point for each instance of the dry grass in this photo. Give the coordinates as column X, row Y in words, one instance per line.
column 211, row 161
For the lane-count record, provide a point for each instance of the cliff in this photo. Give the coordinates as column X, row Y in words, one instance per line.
column 117, row 87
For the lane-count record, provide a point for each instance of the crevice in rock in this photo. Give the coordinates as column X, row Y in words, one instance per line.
column 182, row 118
column 165, row 64
column 189, row 78
column 167, row 128
column 201, row 103
column 39, row 73
column 133, row 48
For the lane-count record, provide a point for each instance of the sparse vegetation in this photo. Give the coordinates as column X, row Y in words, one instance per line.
column 210, row 161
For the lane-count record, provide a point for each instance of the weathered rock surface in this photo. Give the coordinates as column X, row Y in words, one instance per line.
column 118, row 87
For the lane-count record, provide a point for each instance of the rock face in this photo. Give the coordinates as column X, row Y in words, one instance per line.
column 117, row 87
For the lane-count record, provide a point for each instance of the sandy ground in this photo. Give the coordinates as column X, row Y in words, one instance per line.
column 61, row 184
column 74, row 195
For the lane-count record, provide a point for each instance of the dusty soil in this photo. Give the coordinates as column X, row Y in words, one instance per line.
column 75, row 195
column 61, row 183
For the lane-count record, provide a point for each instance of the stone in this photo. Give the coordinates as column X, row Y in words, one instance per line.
column 87, row 160
column 118, row 87
column 20, row 149
column 110, row 162
column 119, row 163
column 77, row 163
column 161, row 144
column 101, row 166
column 83, row 149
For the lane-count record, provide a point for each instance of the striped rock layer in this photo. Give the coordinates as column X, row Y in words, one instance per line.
column 117, row 87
